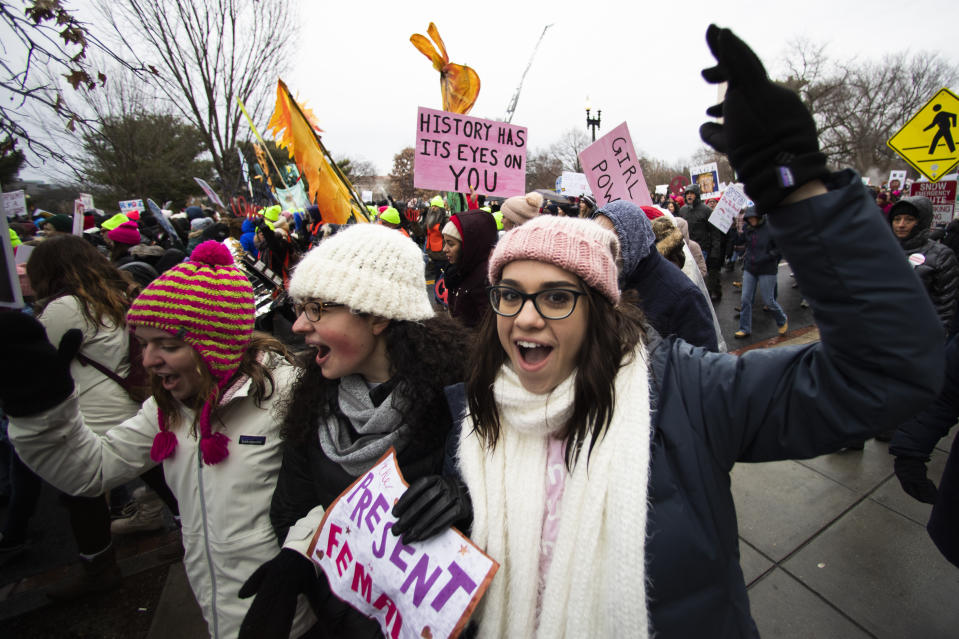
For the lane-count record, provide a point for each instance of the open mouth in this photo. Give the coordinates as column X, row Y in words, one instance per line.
column 322, row 352
column 531, row 353
column 168, row 381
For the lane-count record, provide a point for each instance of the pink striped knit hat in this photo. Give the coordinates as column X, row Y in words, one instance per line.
column 208, row 303
column 579, row 246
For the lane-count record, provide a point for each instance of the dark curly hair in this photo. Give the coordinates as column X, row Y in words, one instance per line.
column 424, row 357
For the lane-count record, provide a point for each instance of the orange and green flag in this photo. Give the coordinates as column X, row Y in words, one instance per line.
column 296, row 131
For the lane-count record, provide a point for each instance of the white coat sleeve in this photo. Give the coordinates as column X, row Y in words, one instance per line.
column 59, row 447
column 301, row 533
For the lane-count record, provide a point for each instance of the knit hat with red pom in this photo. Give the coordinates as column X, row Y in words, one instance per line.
column 208, row 303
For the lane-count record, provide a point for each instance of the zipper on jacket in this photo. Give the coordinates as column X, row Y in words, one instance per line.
column 206, row 540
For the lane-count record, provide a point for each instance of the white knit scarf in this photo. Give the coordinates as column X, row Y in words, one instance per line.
column 596, row 584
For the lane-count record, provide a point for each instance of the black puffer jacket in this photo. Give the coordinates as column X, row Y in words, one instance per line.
column 934, row 263
column 701, row 231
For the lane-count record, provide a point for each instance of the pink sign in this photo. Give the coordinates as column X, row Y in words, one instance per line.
column 612, row 169
column 457, row 153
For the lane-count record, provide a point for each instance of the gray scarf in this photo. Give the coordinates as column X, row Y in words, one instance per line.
column 378, row 427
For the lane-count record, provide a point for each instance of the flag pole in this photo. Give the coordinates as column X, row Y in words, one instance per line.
column 266, row 149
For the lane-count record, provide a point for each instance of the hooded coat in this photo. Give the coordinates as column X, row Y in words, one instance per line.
column 934, row 263
column 466, row 282
column 673, row 305
column 762, row 256
column 700, row 230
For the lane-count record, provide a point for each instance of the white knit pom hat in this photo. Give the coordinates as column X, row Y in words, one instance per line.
column 369, row 268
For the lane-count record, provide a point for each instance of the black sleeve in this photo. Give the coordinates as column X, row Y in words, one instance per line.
column 295, row 494
column 920, row 434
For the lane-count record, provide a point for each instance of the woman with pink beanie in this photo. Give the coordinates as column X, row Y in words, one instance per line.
column 597, row 454
column 211, row 421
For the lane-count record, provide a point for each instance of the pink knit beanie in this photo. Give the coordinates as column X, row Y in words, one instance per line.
column 579, row 246
column 522, row 208
column 208, row 303
column 126, row 233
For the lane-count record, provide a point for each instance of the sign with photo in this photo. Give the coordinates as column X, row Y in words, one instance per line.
column 707, row 177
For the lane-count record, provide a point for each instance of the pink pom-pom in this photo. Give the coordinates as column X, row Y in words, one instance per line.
column 164, row 444
column 213, row 253
column 214, row 448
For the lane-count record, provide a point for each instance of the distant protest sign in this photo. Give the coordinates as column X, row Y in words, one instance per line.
column 457, row 152
column 293, row 198
column 613, row 171
column 210, row 193
column 14, row 203
column 942, row 194
column 896, row 180
column 574, row 184
column 10, row 294
column 127, row 206
column 79, row 209
column 707, row 177
column 424, row 589
column 732, row 201
column 87, row 200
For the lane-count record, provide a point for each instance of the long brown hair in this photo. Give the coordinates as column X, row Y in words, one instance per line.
column 69, row 265
column 612, row 332
column 250, row 366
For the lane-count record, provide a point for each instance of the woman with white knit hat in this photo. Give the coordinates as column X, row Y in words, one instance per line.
column 378, row 362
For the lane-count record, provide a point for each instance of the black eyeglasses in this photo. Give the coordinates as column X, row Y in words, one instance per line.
column 314, row 310
column 551, row 303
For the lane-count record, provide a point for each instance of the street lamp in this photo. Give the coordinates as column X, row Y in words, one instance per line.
column 593, row 123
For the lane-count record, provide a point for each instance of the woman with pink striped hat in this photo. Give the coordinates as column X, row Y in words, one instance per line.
column 210, row 422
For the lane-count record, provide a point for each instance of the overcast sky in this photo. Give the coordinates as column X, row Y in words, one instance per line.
column 637, row 61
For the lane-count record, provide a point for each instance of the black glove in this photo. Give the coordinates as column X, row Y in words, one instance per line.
column 911, row 473
column 276, row 584
column 34, row 376
column 767, row 132
column 431, row 505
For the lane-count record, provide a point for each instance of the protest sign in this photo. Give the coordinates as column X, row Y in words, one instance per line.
column 707, row 177
column 127, row 206
column 942, row 194
column 87, row 200
column 574, row 184
column 210, row 193
column 662, row 189
column 78, row 210
column 22, row 253
column 14, row 204
column 10, row 295
column 367, row 196
column 613, row 171
column 732, row 201
column 896, row 180
column 293, row 198
column 678, row 184
column 457, row 152
column 424, row 589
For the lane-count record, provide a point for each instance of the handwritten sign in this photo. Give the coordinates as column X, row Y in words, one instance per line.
column 131, row 205
column 457, row 152
column 707, row 177
column 896, row 180
column 14, row 203
column 613, row 171
column 79, row 209
column 210, row 193
column 424, row 589
column 733, row 200
column 942, row 194
column 574, row 184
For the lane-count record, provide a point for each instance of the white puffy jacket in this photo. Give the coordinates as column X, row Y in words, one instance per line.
column 224, row 508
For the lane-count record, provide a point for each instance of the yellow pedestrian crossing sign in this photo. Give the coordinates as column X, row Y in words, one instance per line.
column 928, row 140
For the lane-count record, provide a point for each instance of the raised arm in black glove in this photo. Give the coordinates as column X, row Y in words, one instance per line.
column 911, row 473
column 276, row 584
column 767, row 132
column 34, row 376
column 431, row 505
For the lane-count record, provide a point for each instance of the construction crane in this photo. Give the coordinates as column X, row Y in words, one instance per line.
column 512, row 103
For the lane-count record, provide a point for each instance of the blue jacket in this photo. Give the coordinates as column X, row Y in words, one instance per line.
column 762, row 257
column 917, row 438
column 673, row 305
column 879, row 361
column 246, row 239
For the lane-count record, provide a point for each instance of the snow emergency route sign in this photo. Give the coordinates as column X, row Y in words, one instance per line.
column 424, row 589
column 928, row 140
